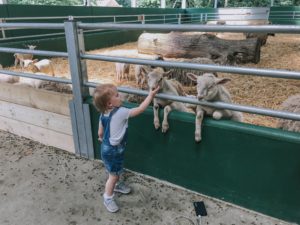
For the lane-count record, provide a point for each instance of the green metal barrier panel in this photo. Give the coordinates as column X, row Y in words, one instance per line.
column 10, row 11
column 3, row 14
column 44, row 11
column 285, row 15
column 92, row 41
column 251, row 166
column 194, row 14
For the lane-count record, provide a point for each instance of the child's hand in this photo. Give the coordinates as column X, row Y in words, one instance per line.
column 152, row 93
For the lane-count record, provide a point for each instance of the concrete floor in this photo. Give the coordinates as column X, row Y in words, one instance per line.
column 41, row 185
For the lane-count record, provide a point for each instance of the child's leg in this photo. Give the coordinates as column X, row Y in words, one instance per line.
column 110, row 184
column 108, row 196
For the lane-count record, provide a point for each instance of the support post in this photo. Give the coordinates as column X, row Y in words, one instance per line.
column 183, row 4
column 179, row 18
column 216, row 4
column 133, row 3
column 75, row 47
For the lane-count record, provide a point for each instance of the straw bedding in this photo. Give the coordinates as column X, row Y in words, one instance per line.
column 280, row 52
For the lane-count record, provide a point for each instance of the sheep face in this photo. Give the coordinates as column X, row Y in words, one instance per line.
column 155, row 79
column 31, row 47
column 29, row 64
column 207, row 85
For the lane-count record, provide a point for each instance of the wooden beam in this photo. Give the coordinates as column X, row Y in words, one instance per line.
column 36, row 98
column 49, row 120
column 40, row 134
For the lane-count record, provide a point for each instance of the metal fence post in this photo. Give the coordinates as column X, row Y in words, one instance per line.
column 2, row 29
column 81, row 117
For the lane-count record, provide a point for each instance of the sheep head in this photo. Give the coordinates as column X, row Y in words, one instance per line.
column 207, row 85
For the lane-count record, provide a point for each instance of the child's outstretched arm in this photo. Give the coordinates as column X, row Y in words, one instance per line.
column 143, row 106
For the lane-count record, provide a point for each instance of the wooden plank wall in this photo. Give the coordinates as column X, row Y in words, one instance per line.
column 36, row 114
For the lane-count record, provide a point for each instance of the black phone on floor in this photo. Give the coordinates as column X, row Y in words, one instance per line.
column 200, row 209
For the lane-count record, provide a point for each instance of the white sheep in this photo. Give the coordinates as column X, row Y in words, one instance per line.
column 5, row 78
column 43, row 66
column 292, row 104
column 20, row 57
column 210, row 88
column 45, row 84
column 156, row 78
column 141, row 71
column 180, row 74
column 30, row 82
column 122, row 71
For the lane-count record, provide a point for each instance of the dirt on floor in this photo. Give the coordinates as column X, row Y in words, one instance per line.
column 281, row 52
column 48, row 186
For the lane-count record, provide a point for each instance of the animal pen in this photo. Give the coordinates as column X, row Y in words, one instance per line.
column 251, row 166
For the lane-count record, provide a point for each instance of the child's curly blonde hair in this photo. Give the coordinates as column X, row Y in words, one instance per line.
column 102, row 95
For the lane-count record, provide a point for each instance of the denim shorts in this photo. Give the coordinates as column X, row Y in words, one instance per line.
column 113, row 158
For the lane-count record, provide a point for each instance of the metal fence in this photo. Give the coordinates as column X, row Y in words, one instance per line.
column 230, row 15
column 79, row 79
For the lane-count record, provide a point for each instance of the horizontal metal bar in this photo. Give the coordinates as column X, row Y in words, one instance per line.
column 34, row 25
column 36, row 76
column 203, row 67
column 77, row 17
column 219, row 105
column 208, row 28
column 34, row 36
column 35, row 52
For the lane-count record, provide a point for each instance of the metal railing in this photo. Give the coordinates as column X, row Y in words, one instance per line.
column 228, row 14
column 285, row 15
column 76, row 52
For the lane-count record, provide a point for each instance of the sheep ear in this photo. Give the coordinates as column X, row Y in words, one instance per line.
column 192, row 76
column 222, row 80
column 166, row 74
column 35, row 60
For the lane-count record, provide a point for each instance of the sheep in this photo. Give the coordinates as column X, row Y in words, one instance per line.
column 30, row 82
column 43, row 66
column 19, row 57
column 209, row 88
column 291, row 104
column 140, row 71
column 180, row 74
column 122, row 71
column 45, row 84
column 157, row 78
column 5, row 78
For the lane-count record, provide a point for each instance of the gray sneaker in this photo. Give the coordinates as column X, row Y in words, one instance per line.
column 122, row 188
column 111, row 205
